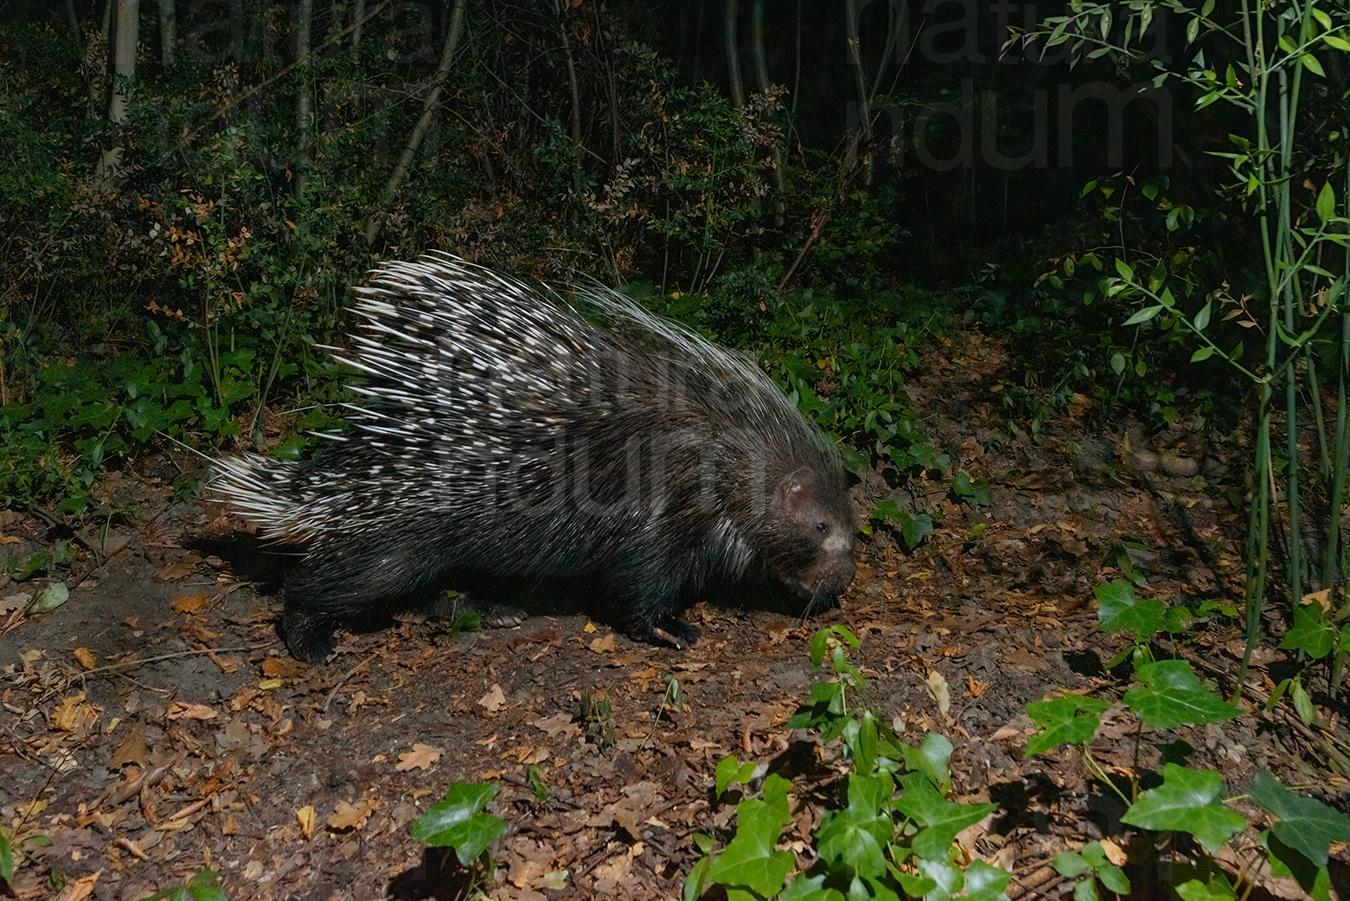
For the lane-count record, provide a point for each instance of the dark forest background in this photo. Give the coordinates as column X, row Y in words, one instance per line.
column 189, row 189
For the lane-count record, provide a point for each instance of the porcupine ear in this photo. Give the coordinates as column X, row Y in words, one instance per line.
column 792, row 493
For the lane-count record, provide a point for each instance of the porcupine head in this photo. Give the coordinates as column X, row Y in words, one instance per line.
column 805, row 533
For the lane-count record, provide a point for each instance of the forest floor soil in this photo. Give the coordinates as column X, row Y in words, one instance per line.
column 154, row 724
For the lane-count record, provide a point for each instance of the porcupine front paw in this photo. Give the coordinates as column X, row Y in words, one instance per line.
column 667, row 632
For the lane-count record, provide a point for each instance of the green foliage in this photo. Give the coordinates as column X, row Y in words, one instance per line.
column 6, row 859
column 595, row 714
column 203, row 886
column 1169, row 696
column 892, row 832
column 914, row 527
column 1091, row 857
column 1072, row 339
column 183, row 294
column 11, row 847
column 459, row 823
column 974, row 492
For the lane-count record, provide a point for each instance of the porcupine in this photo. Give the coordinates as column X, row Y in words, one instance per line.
column 511, row 440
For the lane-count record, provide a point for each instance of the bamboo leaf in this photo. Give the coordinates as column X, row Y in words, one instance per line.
column 1143, row 315
column 1312, row 65
column 1192, row 30
column 1202, row 318
column 1326, row 203
column 1336, row 42
column 1202, row 354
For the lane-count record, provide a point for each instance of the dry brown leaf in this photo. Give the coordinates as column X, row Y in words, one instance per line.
column 1114, row 853
column 31, row 809
column 975, row 686
column 528, row 754
column 14, row 602
column 494, row 700
column 180, row 710
column 81, row 888
column 349, row 816
column 132, row 749
column 939, row 691
column 419, row 758
column 558, row 724
column 605, row 644
column 180, row 570
column 227, row 665
column 85, row 658
column 1321, row 598
column 194, row 603
column 73, row 715
column 305, row 816
column 283, row 668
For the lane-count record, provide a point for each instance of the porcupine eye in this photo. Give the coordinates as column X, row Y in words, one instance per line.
column 822, row 528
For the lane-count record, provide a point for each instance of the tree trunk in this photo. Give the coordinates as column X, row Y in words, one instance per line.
column 733, row 55
column 303, row 26
column 571, row 71
column 428, row 113
column 168, row 32
column 762, row 73
column 126, row 32
column 863, row 133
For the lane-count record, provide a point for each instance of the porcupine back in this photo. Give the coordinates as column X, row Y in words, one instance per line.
column 507, row 441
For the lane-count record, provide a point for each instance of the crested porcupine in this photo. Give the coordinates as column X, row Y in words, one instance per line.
column 512, row 441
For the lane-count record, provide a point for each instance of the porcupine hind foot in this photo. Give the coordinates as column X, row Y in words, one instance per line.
column 308, row 633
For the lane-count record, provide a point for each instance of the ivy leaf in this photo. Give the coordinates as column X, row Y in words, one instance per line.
column 1309, row 633
column 1172, row 696
column 930, row 758
column 941, row 818
column 1070, row 719
column 856, row 838
column 1195, row 890
column 203, row 886
column 916, row 528
column 985, row 882
column 1187, row 801
column 749, row 859
column 458, row 821
column 730, row 770
column 810, row 888
column 1304, row 824
column 1118, row 610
